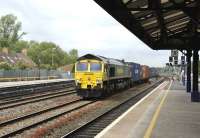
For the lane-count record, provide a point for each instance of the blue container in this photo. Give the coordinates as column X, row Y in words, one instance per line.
column 135, row 71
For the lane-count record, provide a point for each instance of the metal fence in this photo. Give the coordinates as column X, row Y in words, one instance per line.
column 36, row 74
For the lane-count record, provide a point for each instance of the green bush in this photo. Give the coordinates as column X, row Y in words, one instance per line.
column 21, row 65
column 5, row 66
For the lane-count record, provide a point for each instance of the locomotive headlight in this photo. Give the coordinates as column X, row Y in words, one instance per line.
column 78, row 81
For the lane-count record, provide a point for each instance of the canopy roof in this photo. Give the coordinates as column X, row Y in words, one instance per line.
column 161, row 24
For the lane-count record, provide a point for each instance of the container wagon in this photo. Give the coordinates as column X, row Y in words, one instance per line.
column 135, row 71
column 145, row 73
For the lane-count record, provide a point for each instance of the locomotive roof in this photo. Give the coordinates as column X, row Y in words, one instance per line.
column 101, row 58
column 131, row 63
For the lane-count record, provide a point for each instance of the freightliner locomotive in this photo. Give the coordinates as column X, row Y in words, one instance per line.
column 96, row 76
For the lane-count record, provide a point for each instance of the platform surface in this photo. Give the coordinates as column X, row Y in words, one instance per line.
column 165, row 113
column 20, row 83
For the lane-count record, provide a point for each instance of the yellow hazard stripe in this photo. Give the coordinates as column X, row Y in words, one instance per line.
column 152, row 124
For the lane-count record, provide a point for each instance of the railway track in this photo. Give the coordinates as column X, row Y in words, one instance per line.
column 37, row 98
column 17, row 91
column 93, row 127
column 16, row 97
column 19, row 124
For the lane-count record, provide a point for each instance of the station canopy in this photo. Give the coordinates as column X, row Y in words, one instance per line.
column 161, row 24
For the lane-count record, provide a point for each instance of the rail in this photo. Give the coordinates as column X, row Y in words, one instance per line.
column 19, row 130
column 21, row 90
column 15, row 103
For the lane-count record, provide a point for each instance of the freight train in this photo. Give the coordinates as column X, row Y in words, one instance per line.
column 96, row 76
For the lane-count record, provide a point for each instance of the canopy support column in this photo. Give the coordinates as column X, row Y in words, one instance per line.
column 189, row 54
column 195, row 92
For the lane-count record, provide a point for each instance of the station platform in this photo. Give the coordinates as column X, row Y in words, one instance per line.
column 35, row 82
column 166, row 112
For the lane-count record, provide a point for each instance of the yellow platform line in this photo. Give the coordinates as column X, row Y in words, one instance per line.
column 152, row 124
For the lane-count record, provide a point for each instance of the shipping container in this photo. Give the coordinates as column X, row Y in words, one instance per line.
column 135, row 70
column 145, row 72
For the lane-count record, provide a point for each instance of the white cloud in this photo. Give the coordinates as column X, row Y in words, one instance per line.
column 82, row 25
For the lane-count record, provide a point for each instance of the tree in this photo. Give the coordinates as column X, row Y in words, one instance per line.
column 9, row 30
column 21, row 65
column 34, row 52
column 5, row 66
column 19, row 45
column 73, row 55
column 48, row 54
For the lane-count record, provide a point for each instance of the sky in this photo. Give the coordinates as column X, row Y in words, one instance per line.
column 82, row 25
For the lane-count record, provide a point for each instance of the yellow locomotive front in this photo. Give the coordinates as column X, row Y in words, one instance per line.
column 89, row 75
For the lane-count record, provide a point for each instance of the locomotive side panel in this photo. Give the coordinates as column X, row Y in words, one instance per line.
column 118, row 71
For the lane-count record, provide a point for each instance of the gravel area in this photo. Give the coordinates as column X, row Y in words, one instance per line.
column 66, row 123
column 38, row 118
column 10, row 113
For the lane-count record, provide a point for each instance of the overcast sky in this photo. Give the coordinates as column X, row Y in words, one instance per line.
column 82, row 25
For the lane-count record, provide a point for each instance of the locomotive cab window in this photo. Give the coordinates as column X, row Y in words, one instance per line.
column 95, row 66
column 82, row 66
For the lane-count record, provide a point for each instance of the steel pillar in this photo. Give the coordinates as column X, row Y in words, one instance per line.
column 195, row 92
column 189, row 54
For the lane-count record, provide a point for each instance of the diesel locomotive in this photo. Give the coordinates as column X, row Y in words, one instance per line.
column 98, row 75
